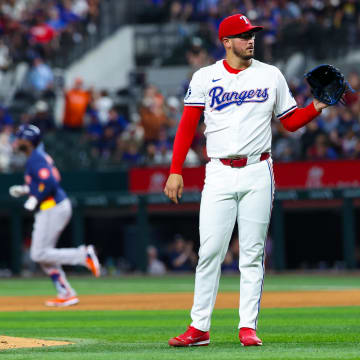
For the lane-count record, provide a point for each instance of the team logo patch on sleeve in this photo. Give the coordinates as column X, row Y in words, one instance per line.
column 44, row 173
column 188, row 93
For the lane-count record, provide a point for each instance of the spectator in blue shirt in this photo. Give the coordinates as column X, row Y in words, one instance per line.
column 55, row 21
column 66, row 13
column 41, row 76
column 6, row 121
column 182, row 257
column 116, row 121
column 132, row 155
column 94, row 130
column 347, row 122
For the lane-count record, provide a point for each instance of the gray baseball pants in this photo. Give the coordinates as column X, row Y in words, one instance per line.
column 48, row 226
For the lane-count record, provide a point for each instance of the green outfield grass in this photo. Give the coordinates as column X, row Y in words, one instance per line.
column 321, row 333
column 185, row 283
column 306, row 333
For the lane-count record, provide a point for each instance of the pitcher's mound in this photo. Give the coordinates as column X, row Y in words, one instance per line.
column 8, row 342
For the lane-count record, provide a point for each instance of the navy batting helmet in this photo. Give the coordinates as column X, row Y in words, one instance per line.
column 29, row 132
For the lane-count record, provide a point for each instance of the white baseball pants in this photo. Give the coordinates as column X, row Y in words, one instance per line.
column 48, row 226
column 243, row 194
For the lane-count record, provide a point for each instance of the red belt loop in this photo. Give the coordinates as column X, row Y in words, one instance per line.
column 241, row 162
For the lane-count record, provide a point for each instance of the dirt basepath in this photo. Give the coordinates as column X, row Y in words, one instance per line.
column 172, row 301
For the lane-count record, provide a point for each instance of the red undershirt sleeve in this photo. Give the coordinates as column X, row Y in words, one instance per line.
column 184, row 136
column 299, row 117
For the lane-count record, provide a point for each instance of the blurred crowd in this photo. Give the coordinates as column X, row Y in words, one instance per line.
column 143, row 134
column 310, row 22
column 111, row 135
column 37, row 28
column 32, row 28
column 180, row 256
column 276, row 10
column 335, row 134
column 145, row 137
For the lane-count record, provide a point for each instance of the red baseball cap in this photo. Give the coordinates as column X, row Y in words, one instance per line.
column 236, row 24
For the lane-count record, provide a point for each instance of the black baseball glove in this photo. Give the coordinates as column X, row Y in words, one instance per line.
column 328, row 84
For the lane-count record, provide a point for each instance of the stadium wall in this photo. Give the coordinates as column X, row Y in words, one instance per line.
column 309, row 226
column 112, row 53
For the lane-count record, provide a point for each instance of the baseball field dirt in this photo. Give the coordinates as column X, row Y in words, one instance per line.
column 183, row 301
column 9, row 342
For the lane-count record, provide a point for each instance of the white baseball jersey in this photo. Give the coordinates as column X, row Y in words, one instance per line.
column 239, row 107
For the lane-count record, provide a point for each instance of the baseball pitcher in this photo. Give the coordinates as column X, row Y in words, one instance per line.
column 52, row 213
column 238, row 96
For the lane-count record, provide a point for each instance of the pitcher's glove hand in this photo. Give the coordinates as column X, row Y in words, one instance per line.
column 328, row 84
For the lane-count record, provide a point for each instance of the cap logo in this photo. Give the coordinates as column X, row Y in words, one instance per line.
column 246, row 20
